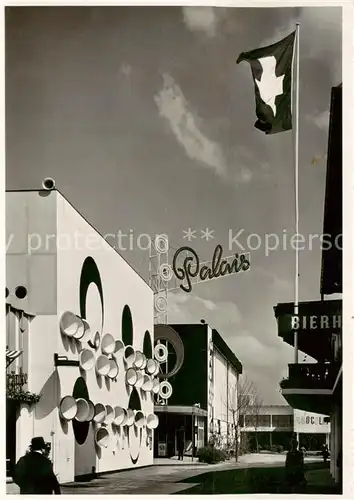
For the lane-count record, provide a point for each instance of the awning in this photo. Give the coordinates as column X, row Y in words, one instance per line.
column 182, row 410
column 11, row 355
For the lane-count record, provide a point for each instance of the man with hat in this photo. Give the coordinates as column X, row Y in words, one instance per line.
column 34, row 471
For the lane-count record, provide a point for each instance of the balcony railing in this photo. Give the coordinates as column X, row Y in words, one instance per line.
column 311, row 376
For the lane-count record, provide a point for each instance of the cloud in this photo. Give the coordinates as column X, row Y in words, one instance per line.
column 174, row 108
column 201, row 19
column 186, row 308
column 320, row 36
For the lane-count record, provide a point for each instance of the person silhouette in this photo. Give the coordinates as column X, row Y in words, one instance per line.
column 34, row 473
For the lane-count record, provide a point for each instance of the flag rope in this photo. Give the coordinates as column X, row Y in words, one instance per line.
column 296, row 165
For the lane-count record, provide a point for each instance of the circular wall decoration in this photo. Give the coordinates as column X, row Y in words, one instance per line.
column 160, row 303
column 155, row 385
column 165, row 390
column 130, row 417
column 139, row 419
column 151, row 366
column 129, row 355
column 87, row 359
column 131, row 376
column 166, row 272
column 147, row 384
column 161, row 353
column 108, row 344
column 80, row 329
column 119, row 347
column 161, row 243
column 152, row 421
column 168, row 334
column 68, row 408
column 109, row 414
column 147, row 344
column 140, row 380
column 87, row 332
column 102, row 437
column 83, row 410
column 91, row 411
column 69, row 323
column 81, row 428
column 114, row 370
column 100, row 413
column 90, row 275
column 120, row 416
column 21, row 292
column 103, row 365
column 140, row 360
column 127, row 326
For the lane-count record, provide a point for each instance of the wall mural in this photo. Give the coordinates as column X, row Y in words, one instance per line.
column 110, row 358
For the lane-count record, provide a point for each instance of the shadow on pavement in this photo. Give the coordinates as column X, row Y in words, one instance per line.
column 262, row 480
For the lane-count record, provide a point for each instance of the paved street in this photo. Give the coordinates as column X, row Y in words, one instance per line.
column 161, row 478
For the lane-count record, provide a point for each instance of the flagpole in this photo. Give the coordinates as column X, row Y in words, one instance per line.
column 296, row 162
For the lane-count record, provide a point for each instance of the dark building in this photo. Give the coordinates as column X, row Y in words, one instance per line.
column 202, row 387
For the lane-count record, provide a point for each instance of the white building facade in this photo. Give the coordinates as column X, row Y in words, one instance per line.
column 82, row 320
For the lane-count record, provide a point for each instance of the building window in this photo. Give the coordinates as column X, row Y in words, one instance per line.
column 282, row 421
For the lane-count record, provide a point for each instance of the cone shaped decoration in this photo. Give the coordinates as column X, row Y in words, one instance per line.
column 83, row 410
column 95, row 342
column 131, row 376
column 87, row 359
column 155, row 385
column 152, row 421
column 129, row 355
column 108, row 344
column 151, row 366
column 68, row 408
column 103, row 365
column 109, row 414
column 87, row 332
column 114, row 370
column 147, row 384
column 91, row 413
column 102, row 437
column 119, row 347
column 140, row 379
column 165, row 390
column 130, row 417
column 139, row 360
column 69, row 324
column 100, row 413
column 139, row 420
column 80, row 329
column 120, row 415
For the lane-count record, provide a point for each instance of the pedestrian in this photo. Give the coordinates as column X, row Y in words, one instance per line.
column 34, row 471
column 325, row 453
column 180, row 443
column 294, row 467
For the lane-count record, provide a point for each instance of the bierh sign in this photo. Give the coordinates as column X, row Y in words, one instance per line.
column 188, row 268
column 311, row 423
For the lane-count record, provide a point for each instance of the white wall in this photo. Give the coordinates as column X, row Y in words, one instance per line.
column 49, row 265
column 220, row 387
column 121, row 286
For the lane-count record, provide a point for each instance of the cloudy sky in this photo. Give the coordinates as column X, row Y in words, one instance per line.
column 146, row 123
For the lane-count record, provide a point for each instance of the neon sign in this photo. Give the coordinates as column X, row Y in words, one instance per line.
column 192, row 267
